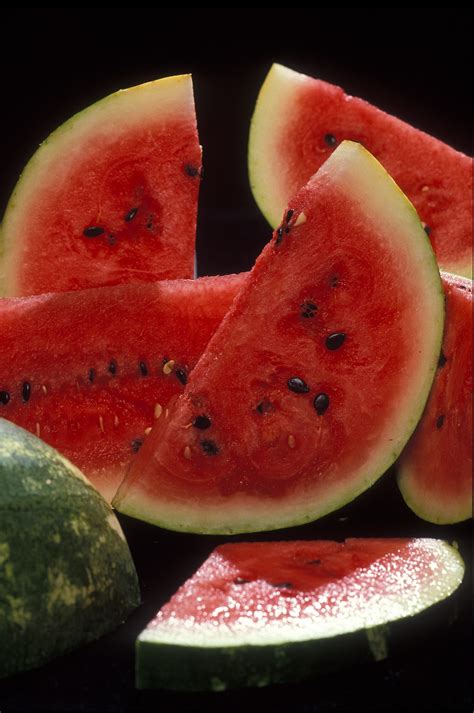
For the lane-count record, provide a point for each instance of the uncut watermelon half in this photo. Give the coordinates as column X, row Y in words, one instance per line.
column 110, row 196
column 268, row 612
column 435, row 469
column 298, row 121
column 318, row 374
column 90, row 371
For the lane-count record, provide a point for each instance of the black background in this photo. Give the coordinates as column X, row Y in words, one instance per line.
column 415, row 63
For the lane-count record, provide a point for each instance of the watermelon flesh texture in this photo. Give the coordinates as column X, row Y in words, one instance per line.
column 266, row 612
column 314, row 382
column 90, row 371
column 435, row 469
column 110, row 197
column 298, row 121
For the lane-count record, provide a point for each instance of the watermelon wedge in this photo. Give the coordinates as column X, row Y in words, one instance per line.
column 298, row 121
column 66, row 573
column 110, row 197
column 435, row 469
column 90, row 371
column 257, row 613
column 318, row 374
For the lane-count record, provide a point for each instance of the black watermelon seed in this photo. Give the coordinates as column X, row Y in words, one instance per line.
column 4, row 397
column 143, row 368
column 321, row 403
column 191, row 170
column 427, row 230
column 308, row 309
column 336, row 340
column 93, row 231
column 181, row 376
column 91, row 375
column 113, row 367
column 287, row 229
column 202, row 422
column 130, row 215
column 330, row 140
column 26, row 391
column 209, row 448
column 283, row 585
column 263, row 407
column 313, row 562
column 241, row 580
column 279, row 236
column 149, row 221
column 442, row 359
column 334, row 281
column 136, row 444
column 297, row 385
column 440, row 421
column 289, row 215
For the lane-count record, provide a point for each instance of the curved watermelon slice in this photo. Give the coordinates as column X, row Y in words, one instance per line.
column 298, row 121
column 110, row 196
column 90, row 371
column 318, row 374
column 257, row 613
column 435, row 470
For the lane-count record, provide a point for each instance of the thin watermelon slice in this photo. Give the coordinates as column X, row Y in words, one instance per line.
column 110, row 197
column 298, row 121
column 267, row 612
column 435, row 469
column 318, row 374
column 90, row 371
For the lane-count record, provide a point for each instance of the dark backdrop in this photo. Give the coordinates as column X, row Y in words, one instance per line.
column 415, row 63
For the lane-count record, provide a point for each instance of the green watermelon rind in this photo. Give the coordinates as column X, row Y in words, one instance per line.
column 162, row 664
column 66, row 573
column 128, row 101
column 182, row 518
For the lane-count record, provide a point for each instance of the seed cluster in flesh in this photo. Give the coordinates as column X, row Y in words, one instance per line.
column 112, row 370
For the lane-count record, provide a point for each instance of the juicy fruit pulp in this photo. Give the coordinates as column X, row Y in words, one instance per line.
column 91, row 371
column 435, row 469
column 110, row 197
column 66, row 574
column 298, row 122
column 258, row 613
column 301, row 401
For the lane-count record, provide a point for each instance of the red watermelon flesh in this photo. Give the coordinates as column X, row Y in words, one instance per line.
column 236, row 621
column 110, row 197
column 314, row 381
column 298, row 121
column 435, row 469
column 90, row 371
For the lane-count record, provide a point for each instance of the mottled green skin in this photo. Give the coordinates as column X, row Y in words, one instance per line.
column 66, row 574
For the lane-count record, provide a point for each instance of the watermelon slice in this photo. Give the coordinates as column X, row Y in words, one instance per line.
column 318, row 374
column 435, row 470
column 298, row 121
column 90, row 371
column 110, row 196
column 266, row 612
